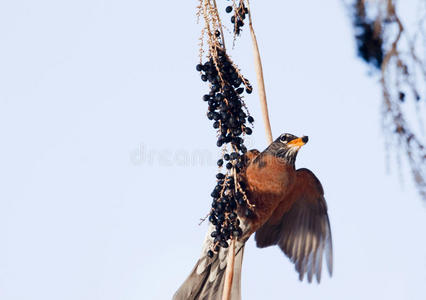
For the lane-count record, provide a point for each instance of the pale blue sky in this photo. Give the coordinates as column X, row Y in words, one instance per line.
column 85, row 84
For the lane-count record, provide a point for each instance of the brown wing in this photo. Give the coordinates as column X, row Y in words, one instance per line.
column 303, row 231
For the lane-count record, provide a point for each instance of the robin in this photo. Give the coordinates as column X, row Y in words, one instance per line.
column 289, row 211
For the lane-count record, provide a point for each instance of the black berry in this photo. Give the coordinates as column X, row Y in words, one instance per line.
column 220, row 175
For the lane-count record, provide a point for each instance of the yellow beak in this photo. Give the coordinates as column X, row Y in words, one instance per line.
column 299, row 142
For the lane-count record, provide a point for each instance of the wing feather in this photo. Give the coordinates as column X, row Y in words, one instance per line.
column 303, row 233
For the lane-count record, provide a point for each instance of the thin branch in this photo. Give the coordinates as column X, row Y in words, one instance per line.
column 220, row 25
column 260, row 80
column 229, row 275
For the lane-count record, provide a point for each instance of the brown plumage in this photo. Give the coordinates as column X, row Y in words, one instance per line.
column 290, row 212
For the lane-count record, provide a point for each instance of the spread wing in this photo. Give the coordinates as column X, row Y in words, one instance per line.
column 302, row 232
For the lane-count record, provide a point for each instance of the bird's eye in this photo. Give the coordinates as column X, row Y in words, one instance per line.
column 283, row 138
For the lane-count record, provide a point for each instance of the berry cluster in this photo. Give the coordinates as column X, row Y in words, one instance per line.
column 239, row 16
column 369, row 42
column 230, row 117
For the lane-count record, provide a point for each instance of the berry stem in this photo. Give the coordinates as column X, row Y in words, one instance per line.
column 229, row 275
column 220, row 25
column 260, row 80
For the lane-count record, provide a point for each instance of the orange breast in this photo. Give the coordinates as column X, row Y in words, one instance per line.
column 268, row 182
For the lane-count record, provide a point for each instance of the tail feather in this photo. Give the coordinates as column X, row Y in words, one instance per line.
column 207, row 278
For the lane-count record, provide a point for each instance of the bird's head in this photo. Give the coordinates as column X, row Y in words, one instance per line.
column 286, row 147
